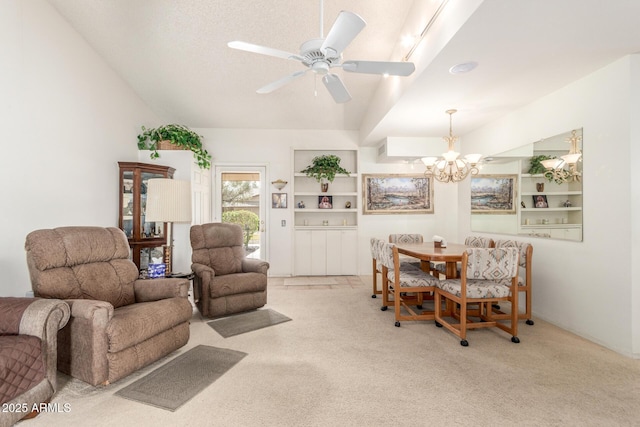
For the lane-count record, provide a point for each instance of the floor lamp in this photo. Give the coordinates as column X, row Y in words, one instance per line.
column 168, row 200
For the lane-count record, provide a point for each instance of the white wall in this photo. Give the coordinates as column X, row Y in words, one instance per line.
column 67, row 120
column 586, row 287
column 634, row 226
column 273, row 148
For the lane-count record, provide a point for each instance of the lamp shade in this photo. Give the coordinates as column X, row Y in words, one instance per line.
column 429, row 161
column 168, row 200
column 552, row 163
column 571, row 158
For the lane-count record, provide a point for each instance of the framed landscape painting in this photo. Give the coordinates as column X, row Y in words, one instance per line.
column 493, row 194
column 397, row 194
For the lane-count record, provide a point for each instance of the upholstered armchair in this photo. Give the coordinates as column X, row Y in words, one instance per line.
column 118, row 323
column 226, row 281
column 28, row 350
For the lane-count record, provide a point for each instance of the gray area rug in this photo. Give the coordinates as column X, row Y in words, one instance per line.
column 176, row 382
column 246, row 322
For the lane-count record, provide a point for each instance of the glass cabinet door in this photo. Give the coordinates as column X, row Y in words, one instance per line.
column 145, row 238
column 148, row 230
column 127, row 203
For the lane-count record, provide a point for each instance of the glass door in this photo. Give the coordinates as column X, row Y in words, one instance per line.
column 239, row 193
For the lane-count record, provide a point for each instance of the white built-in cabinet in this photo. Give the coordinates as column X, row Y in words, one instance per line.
column 325, row 240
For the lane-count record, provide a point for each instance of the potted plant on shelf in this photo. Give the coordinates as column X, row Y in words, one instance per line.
column 536, row 167
column 179, row 136
column 324, row 168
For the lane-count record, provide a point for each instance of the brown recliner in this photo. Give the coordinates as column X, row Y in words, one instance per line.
column 118, row 323
column 28, row 347
column 225, row 282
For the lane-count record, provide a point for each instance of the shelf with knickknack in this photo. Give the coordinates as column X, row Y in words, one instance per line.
column 325, row 222
column 550, row 209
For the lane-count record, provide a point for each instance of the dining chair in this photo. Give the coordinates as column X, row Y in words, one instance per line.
column 489, row 275
column 471, row 241
column 377, row 267
column 407, row 238
column 406, row 286
column 524, row 276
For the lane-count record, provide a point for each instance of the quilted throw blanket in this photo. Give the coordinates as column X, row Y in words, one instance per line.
column 21, row 362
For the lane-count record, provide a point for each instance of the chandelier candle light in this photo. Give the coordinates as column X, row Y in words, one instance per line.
column 449, row 168
column 556, row 167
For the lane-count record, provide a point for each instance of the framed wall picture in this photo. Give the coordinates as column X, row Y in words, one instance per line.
column 279, row 200
column 397, row 194
column 540, row 201
column 493, row 194
column 325, row 202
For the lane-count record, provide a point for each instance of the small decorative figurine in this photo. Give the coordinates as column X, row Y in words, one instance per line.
column 567, row 204
column 301, row 204
column 347, row 205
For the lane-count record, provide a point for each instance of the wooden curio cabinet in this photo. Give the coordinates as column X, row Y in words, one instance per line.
column 146, row 239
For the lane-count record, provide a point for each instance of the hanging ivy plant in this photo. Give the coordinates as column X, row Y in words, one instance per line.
column 537, row 168
column 179, row 135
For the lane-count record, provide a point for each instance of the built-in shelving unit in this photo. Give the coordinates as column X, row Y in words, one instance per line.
column 325, row 239
column 561, row 219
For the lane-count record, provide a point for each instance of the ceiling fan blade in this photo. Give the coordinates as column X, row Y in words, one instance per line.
column 263, row 50
column 281, row 82
column 336, row 88
column 343, row 31
column 379, row 67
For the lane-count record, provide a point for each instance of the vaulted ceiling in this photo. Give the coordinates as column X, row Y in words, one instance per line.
column 174, row 54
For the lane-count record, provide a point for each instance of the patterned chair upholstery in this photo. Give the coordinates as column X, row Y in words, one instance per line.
column 471, row 241
column 375, row 245
column 524, row 276
column 490, row 275
column 28, row 352
column 407, row 261
column 406, row 286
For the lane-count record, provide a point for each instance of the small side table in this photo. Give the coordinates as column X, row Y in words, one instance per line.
column 188, row 276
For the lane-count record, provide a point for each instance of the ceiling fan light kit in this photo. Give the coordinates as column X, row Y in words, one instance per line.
column 320, row 55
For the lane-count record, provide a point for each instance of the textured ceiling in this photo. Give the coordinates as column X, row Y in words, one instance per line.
column 174, row 54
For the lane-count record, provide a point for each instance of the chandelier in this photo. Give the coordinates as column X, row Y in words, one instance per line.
column 449, row 168
column 565, row 169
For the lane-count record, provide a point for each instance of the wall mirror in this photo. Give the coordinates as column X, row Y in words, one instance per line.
column 515, row 193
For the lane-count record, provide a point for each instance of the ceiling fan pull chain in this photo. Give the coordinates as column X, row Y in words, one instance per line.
column 315, row 85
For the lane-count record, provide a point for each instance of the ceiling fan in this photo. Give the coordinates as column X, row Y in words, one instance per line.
column 320, row 55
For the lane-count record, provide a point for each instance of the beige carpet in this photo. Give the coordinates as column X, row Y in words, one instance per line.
column 310, row 281
column 342, row 362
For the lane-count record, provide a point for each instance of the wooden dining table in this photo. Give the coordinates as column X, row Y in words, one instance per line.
column 428, row 251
